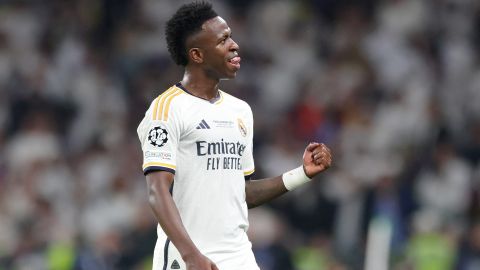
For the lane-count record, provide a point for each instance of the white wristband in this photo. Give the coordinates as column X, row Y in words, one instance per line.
column 295, row 178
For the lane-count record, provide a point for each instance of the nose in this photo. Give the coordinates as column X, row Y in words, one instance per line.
column 234, row 46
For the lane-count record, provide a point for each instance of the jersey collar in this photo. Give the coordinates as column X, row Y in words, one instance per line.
column 217, row 100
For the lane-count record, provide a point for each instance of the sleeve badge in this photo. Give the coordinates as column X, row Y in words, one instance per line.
column 158, row 136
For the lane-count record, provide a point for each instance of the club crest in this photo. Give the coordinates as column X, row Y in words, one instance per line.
column 242, row 127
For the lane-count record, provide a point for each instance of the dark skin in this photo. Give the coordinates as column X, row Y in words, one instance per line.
column 210, row 52
column 316, row 158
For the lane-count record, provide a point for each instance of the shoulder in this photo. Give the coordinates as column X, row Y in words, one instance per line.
column 161, row 110
column 166, row 103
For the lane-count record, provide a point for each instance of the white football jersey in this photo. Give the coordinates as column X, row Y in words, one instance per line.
column 208, row 146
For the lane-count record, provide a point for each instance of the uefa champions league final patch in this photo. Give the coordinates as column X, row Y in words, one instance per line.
column 158, row 136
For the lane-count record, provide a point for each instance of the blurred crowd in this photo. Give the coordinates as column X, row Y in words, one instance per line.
column 392, row 86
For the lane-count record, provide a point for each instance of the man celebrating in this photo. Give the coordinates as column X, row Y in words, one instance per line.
column 197, row 146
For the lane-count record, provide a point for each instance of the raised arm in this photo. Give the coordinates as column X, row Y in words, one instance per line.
column 316, row 158
column 167, row 215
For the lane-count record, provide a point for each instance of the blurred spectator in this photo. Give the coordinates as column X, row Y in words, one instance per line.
column 428, row 247
column 450, row 176
column 470, row 251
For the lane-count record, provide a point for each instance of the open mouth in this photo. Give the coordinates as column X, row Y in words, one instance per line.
column 235, row 62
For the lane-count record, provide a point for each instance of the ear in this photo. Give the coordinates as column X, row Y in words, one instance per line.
column 196, row 55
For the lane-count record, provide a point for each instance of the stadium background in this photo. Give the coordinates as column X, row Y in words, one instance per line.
column 392, row 86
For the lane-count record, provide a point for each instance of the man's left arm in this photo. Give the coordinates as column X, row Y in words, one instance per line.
column 316, row 158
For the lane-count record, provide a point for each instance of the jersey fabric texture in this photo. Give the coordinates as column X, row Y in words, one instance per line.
column 208, row 146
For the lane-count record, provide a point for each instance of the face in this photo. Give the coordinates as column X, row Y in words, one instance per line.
column 216, row 52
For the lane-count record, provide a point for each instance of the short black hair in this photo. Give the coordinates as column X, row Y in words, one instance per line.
column 185, row 22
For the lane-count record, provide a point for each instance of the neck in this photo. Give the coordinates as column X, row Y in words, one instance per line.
column 200, row 85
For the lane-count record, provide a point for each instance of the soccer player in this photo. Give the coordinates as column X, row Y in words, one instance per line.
column 197, row 146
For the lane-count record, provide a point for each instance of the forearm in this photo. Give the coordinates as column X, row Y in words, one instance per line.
column 261, row 191
column 168, row 217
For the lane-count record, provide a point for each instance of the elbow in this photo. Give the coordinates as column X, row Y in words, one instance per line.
column 250, row 197
column 251, row 202
column 251, row 205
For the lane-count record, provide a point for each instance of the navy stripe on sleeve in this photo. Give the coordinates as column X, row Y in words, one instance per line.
column 150, row 169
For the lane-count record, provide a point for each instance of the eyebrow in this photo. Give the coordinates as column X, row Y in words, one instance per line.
column 225, row 34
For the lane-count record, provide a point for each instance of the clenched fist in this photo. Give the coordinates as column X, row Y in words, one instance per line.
column 316, row 158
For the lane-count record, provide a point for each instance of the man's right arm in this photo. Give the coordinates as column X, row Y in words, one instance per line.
column 166, row 212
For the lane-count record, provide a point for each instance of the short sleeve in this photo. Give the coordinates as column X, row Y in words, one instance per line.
column 159, row 139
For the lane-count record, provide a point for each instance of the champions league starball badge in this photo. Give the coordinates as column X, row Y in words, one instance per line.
column 158, row 136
